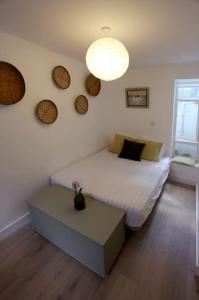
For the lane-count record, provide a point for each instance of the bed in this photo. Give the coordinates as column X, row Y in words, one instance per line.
column 131, row 185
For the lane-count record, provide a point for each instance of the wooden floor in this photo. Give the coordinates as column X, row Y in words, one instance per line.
column 156, row 263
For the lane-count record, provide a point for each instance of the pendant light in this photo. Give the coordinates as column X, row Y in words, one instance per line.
column 107, row 58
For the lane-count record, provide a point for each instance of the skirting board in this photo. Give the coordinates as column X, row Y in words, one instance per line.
column 11, row 228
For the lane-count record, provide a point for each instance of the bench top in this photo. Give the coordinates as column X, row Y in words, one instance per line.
column 97, row 221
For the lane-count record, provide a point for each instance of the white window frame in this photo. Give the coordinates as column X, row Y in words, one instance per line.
column 178, row 83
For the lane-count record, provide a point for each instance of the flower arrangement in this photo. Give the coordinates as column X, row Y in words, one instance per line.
column 76, row 187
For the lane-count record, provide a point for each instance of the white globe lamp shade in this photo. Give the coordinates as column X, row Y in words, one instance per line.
column 107, row 59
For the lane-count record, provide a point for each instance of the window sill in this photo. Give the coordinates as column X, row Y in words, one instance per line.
column 183, row 160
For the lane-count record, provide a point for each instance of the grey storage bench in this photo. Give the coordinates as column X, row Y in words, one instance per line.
column 93, row 236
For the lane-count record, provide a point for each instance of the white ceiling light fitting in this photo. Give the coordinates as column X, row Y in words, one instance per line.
column 107, row 58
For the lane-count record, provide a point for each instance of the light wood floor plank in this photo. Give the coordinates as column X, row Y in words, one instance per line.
column 156, row 263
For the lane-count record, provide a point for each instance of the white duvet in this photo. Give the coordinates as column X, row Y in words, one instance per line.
column 130, row 185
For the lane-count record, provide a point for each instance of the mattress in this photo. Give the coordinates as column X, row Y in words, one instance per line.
column 133, row 186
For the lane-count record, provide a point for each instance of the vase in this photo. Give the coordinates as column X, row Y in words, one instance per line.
column 79, row 201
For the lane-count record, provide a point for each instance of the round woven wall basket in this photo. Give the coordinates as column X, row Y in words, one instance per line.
column 61, row 77
column 81, row 104
column 93, row 85
column 47, row 111
column 12, row 84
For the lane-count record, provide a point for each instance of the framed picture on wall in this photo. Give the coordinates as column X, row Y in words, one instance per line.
column 137, row 97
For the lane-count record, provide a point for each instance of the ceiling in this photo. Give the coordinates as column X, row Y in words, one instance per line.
column 154, row 31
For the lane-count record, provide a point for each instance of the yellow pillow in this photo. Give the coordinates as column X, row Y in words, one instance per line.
column 151, row 150
column 118, row 143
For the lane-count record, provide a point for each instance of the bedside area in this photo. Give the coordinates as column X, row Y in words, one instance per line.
column 94, row 236
column 188, row 174
column 184, row 173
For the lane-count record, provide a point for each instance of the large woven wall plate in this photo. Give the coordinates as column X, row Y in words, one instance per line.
column 47, row 111
column 61, row 77
column 12, row 84
column 93, row 85
column 81, row 104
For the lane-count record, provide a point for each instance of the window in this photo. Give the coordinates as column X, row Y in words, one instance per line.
column 186, row 119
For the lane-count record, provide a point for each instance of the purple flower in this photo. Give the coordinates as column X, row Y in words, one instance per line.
column 76, row 186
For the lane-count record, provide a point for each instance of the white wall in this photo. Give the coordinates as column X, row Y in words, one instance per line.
column 184, row 174
column 29, row 150
column 137, row 121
